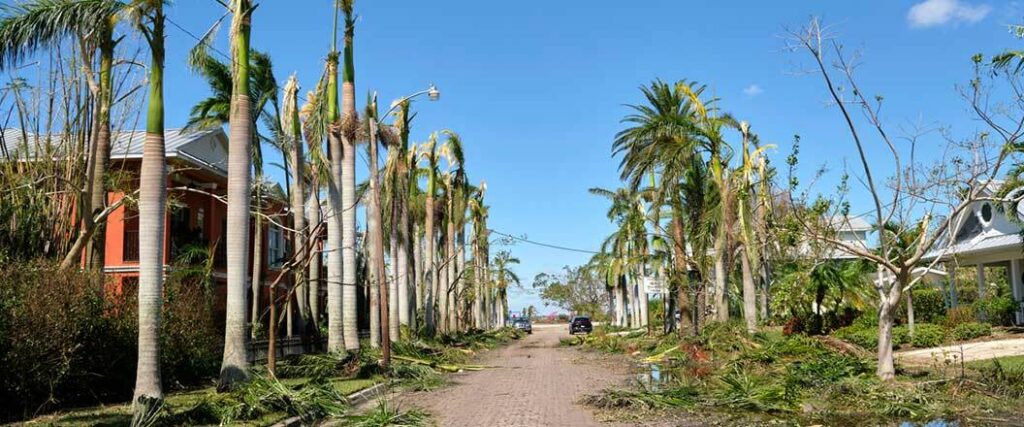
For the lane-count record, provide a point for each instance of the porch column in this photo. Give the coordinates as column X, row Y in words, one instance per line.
column 982, row 316
column 1017, row 287
column 954, row 298
column 981, row 281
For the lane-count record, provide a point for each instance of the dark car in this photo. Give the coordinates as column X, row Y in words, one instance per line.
column 580, row 325
column 523, row 324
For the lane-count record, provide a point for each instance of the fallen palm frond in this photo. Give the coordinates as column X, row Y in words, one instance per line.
column 385, row 415
column 312, row 400
column 643, row 399
column 441, row 366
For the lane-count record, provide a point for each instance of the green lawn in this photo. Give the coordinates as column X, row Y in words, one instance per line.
column 120, row 415
column 1008, row 362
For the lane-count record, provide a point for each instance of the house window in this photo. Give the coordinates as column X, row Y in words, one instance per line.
column 275, row 247
column 986, row 213
column 130, row 244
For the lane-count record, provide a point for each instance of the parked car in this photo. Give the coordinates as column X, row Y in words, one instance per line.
column 523, row 324
column 580, row 325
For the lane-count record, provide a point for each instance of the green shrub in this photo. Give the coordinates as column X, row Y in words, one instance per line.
column 971, row 330
column 825, row 369
column 867, row 336
column 66, row 339
column 929, row 306
column 928, row 335
column 999, row 310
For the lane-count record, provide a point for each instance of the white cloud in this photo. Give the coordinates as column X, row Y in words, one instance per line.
column 931, row 13
column 753, row 90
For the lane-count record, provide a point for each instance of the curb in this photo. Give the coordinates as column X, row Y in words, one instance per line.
column 353, row 399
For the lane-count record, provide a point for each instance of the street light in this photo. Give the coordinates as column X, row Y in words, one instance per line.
column 433, row 94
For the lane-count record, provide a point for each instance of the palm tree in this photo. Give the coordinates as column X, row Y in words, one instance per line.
column 347, row 128
column 628, row 246
column 503, row 278
column 235, row 365
column 215, row 110
column 292, row 135
column 662, row 138
column 337, row 297
column 148, row 17
column 478, row 216
column 27, row 27
column 454, row 182
column 430, row 153
column 375, row 232
column 400, row 199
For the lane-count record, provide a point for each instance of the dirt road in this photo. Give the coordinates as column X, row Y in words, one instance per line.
column 533, row 382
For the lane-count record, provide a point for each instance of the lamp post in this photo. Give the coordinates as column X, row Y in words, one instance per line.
column 383, row 299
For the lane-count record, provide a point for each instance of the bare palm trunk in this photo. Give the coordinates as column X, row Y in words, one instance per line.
column 721, row 304
column 749, row 293
column 235, row 365
column 394, row 312
column 337, row 335
column 428, row 260
column 379, row 327
column 101, row 153
column 402, row 265
column 298, row 207
column 460, row 281
column 152, row 200
column 450, row 264
column 313, row 213
column 418, row 275
column 256, row 277
column 348, row 245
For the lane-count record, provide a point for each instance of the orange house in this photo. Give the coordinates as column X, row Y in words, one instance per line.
column 197, row 183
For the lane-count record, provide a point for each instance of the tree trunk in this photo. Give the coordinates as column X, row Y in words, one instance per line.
column 380, row 332
column 886, row 369
column 620, row 306
column 337, row 335
column 272, row 332
column 749, row 293
column 235, row 365
column 256, row 280
column 910, row 313
column 402, row 270
column 428, row 260
column 417, row 312
column 101, row 153
column 394, row 308
column 450, row 262
column 721, row 302
column 152, row 201
column 680, row 273
column 298, row 207
column 313, row 212
column 460, row 280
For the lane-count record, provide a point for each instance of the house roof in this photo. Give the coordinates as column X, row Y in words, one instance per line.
column 204, row 148
column 850, row 223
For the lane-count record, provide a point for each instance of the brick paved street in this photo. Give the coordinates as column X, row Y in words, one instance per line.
column 534, row 382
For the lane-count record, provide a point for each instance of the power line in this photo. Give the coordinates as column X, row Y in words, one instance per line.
column 197, row 38
column 546, row 245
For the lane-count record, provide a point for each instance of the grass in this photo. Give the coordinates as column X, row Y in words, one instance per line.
column 1008, row 363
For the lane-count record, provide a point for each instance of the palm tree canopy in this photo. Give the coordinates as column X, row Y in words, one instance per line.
column 30, row 26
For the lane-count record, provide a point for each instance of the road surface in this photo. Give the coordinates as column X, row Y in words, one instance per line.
column 532, row 382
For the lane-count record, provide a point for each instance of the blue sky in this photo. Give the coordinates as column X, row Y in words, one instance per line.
column 536, row 88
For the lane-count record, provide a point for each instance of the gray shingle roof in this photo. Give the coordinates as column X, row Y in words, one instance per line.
column 125, row 145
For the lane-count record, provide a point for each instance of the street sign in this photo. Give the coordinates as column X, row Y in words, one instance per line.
column 654, row 285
